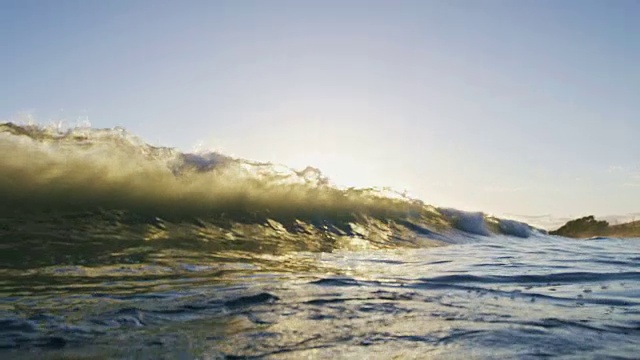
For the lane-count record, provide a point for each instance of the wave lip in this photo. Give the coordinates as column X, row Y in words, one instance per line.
column 516, row 228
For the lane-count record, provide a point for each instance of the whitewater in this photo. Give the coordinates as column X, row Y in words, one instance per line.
column 113, row 248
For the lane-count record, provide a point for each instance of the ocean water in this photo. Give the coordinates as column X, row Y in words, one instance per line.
column 111, row 248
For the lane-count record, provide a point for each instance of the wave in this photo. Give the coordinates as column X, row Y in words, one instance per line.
column 86, row 168
column 111, row 179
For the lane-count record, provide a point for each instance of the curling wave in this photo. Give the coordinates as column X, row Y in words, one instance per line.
column 107, row 181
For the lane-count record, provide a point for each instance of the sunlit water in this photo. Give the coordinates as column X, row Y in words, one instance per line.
column 488, row 297
column 113, row 248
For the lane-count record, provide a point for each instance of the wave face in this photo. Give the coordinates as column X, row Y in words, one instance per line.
column 102, row 186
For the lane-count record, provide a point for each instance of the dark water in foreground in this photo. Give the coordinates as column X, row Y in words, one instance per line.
column 485, row 297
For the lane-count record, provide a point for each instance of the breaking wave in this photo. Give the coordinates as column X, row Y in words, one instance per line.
column 92, row 180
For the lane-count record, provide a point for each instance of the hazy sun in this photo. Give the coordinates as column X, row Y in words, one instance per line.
column 342, row 170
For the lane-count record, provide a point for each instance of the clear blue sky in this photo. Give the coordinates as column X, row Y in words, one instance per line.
column 509, row 107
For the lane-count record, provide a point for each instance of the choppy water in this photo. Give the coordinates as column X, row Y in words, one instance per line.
column 110, row 248
column 485, row 298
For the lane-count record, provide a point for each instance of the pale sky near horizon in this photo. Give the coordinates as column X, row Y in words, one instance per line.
column 508, row 107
